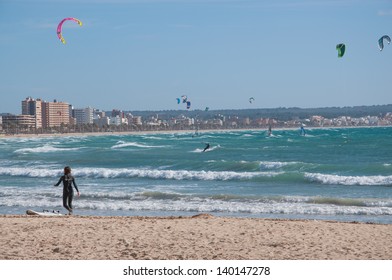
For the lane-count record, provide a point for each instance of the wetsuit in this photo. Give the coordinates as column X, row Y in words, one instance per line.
column 68, row 193
column 207, row 147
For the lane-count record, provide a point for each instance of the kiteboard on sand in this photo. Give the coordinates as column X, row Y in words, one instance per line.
column 43, row 213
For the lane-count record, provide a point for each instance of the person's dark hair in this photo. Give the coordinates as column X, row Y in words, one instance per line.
column 67, row 170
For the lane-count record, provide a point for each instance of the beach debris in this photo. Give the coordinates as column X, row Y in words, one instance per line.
column 203, row 215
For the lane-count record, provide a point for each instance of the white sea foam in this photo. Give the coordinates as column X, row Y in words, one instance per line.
column 122, row 144
column 139, row 173
column 197, row 205
column 247, row 135
column 152, row 137
column 43, row 149
column 170, row 174
column 29, row 172
column 275, row 164
column 349, row 180
column 112, row 200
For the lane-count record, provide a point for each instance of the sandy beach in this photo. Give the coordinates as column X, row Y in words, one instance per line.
column 201, row 237
column 142, row 132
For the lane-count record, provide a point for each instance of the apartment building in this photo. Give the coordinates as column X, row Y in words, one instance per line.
column 55, row 114
column 84, row 116
column 33, row 107
column 18, row 122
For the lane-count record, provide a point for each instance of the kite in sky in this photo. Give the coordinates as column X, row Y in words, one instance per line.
column 185, row 100
column 251, row 100
column 341, row 49
column 60, row 27
column 381, row 41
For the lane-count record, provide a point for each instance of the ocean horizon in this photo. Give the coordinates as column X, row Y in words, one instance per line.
column 339, row 174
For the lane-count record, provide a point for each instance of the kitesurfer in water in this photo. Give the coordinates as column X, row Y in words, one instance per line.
column 68, row 193
column 206, row 147
column 302, row 132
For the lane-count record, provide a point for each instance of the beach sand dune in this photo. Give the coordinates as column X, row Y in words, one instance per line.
column 201, row 237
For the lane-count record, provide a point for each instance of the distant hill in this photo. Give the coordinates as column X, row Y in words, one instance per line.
column 281, row 113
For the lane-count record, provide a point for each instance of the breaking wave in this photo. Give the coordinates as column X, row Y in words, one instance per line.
column 122, row 144
column 43, row 149
column 140, row 173
column 329, row 179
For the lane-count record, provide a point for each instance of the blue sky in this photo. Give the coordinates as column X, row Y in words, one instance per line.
column 142, row 55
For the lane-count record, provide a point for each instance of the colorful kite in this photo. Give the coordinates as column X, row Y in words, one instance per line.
column 60, row 26
column 184, row 99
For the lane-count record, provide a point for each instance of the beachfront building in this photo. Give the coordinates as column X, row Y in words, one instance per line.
column 98, row 114
column 116, row 112
column 55, row 114
column 118, row 120
column 17, row 123
column 215, row 122
column 136, row 120
column 33, row 107
column 185, row 121
column 101, row 121
column 317, row 120
column 246, row 121
column 83, row 116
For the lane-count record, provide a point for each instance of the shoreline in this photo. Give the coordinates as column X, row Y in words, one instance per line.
column 200, row 237
column 185, row 131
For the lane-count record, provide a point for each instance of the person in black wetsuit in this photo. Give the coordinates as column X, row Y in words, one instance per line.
column 206, row 147
column 68, row 193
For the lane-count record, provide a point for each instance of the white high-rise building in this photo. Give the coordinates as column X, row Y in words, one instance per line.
column 84, row 116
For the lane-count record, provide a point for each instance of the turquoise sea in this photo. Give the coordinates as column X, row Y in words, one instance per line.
column 342, row 174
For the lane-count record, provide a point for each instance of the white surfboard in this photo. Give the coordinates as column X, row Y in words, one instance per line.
column 43, row 213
